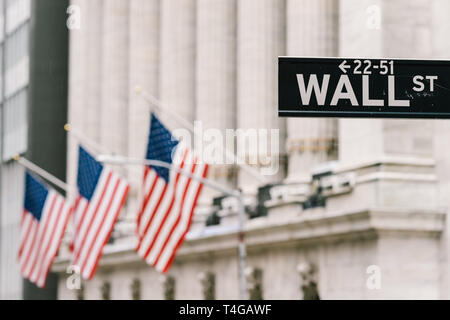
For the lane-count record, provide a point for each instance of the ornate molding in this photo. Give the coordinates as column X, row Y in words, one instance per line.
column 308, row 227
column 314, row 145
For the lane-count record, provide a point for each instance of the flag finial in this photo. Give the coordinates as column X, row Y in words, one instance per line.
column 138, row 89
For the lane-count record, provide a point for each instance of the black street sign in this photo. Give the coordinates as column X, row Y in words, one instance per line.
column 363, row 88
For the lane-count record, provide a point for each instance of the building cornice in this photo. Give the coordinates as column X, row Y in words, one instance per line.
column 305, row 229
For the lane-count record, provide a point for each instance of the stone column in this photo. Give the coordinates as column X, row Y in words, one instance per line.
column 92, row 19
column 312, row 30
column 399, row 148
column 177, row 58
column 404, row 31
column 115, row 83
column 441, row 27
column 216, row 74
column 441, row 50
column 144, row 35
column 84, row 80
column 261, row 39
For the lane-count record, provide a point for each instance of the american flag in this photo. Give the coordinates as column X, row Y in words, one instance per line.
column 44, row 220
column 169, row 198
column 101, row 195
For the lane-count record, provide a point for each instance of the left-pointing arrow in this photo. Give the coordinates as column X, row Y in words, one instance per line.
column 343, row 66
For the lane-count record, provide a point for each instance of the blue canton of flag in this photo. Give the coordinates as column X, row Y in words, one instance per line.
column 161, row 145
column 44, row 221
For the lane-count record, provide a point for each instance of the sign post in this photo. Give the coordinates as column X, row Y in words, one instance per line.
column 363, row 88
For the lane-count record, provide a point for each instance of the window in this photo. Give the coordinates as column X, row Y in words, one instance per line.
column 106, row 291
column 169, row 288
column 17, row 61
column 17, row 12
column 136, row 289
column 208, row 282
column 80, row 293
column 255, row 283
column 2, row 19
column 308, row 277
column 15, row 125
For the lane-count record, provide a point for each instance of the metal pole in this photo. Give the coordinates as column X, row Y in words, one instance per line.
column 242, row 252
column 90, row 143
column 120, row 160
column 41, row 172
column 230, row 155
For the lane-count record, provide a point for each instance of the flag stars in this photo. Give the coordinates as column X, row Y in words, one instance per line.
column 160, row 146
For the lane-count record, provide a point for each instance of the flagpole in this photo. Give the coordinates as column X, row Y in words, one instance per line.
column 231, row 156
column 242, row 252
column 120, row 160
column 41, row 172
column 241, row 236
column 88, row 142
column 115, row 159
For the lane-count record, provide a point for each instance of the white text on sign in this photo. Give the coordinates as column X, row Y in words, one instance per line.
column 344, row 90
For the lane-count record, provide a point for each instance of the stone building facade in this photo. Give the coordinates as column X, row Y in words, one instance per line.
column 352, row 196
column 33, row 95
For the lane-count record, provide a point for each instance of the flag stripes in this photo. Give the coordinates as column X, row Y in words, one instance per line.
column 168, row 203
column 43, row 223
column 95, row 214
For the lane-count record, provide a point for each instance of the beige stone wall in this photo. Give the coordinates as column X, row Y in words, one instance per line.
column 216, row 61
column 311, row 31
column 409, row 271
column 215, row 77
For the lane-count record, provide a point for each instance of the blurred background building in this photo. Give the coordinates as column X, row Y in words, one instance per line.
column 349, row 193
column 33, row 107
column 351, row 196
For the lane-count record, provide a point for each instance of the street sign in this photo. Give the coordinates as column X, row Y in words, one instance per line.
column 363, row 88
